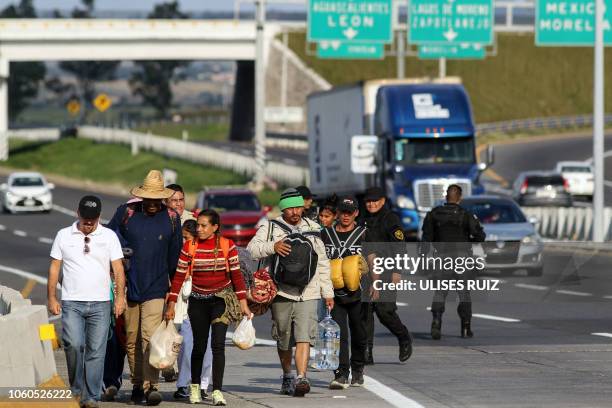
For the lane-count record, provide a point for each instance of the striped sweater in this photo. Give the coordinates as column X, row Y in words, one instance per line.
column 208, row 274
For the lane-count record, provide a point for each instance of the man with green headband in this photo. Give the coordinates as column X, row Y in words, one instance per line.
column 294, row 311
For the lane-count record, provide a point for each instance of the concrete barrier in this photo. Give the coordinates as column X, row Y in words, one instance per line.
column 25, row 360
column 568, row 223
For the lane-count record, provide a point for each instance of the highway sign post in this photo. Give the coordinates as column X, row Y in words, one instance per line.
column 570, row 23
column 454, row 51
column 450, row 21
column 350, row 20
column 583, row 23
column 350, row 50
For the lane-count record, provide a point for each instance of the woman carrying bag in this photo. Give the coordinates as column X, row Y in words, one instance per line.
column 218, row 297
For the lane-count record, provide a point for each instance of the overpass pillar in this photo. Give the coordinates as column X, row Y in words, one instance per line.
column 243, row 105
column 4, row 75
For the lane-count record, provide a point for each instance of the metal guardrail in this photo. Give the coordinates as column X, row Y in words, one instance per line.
column 196, row 153
column 568, row 223
column 556, row 122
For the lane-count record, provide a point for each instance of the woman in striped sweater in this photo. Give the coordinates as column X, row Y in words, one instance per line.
column 215, row 278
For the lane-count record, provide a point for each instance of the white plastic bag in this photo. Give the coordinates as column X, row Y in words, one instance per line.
column 165, row 345
column 244, row 335
column 186, row 289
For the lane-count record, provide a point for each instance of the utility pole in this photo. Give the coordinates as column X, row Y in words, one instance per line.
column 598, row 124
column 401, row 53
column 260, row 96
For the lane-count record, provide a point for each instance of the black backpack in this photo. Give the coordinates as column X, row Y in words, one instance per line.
column 297, row 268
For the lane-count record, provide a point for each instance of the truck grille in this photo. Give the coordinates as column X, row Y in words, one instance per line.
column 429, row 192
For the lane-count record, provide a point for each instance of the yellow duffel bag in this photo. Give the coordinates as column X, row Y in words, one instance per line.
column 353, row 267
column 336, row 273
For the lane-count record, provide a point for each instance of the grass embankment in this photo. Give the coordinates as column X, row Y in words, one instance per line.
column 107, row 163
column 522, row 81
column 212, row 132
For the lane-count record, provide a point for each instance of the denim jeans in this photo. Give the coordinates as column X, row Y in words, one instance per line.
column 184, row 358
column 84, row 333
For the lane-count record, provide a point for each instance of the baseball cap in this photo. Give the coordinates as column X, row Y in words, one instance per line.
column 347, row 204
column 374, row 193
column 304, row 191
column 90, row 207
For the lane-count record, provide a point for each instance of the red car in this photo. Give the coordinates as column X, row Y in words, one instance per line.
column 239, row 209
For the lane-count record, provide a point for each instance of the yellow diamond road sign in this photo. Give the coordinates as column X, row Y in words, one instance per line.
column 102, row 102
column 73, row 107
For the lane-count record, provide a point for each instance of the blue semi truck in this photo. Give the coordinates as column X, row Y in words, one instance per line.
column 412, row 137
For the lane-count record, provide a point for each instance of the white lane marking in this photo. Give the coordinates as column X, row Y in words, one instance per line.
column 498, row 318
column 401, row 304
column 608, row 297
column 24, row 274
column 573, row 293
column 529, row 286
column 2, row 227
column 45, row 240
column 72, row 213
column 602, row 334
column 389, row 394
column 20, row 233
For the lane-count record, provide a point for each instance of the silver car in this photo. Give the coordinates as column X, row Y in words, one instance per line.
column 512, row 242
column 26, row 191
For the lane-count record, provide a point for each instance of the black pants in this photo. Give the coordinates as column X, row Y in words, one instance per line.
column 387, row 314
column 201, row 314
column 465, row 303
column 348, row 317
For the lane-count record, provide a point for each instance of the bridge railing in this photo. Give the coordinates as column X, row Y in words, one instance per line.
column 568, row 223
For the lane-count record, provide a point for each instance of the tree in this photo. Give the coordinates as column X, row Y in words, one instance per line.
column 152, row 80
column 87, row 73
column 24, row 77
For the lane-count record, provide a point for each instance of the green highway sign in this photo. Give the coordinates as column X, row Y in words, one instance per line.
column 350, row 50
column 450, row 21
column 454, row 51
column 571, row 23
column 350, row 20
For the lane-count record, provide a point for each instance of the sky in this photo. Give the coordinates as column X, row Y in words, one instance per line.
column 146, row 5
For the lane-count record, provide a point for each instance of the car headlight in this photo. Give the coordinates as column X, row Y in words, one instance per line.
column 11, row 196
column 531, row 239
column 405, row 202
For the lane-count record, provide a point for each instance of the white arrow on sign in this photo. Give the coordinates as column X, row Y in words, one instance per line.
column 324, row 45
column 350, row 33
column 335, row 44
column 450, row 35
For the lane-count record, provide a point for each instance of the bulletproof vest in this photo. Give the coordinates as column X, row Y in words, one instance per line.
column 449, row 224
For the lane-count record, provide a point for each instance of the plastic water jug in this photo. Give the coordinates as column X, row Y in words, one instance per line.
column 327, row 346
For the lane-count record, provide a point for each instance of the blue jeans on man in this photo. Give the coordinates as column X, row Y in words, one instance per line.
column 84, row 334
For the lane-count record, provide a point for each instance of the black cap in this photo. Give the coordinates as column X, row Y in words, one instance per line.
column 90, row 207
column 347, row 204
column 304, row 191
column 374, row 194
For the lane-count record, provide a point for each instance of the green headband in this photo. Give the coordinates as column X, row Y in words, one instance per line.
column 291, row 202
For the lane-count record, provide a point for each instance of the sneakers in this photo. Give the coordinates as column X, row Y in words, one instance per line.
column 340, row 382
column 181, row 393
column 203, row 394
column 301, row 387
column 357, row 379
column 217, row 398
column 153, row 396
column 137, row 395
column 90, row 404
column 287, row 386
column 195, row 397
column 109, row 393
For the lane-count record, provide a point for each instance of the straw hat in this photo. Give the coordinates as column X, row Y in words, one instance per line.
column 153, row 187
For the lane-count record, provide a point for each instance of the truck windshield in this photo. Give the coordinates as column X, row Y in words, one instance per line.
column 435, row 150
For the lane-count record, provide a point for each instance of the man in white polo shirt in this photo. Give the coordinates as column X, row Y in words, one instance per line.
column 85, row 252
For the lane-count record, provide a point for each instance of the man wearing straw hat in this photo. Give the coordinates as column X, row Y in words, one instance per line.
column 153, row 232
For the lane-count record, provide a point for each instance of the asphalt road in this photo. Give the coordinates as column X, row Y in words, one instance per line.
column 540, row 341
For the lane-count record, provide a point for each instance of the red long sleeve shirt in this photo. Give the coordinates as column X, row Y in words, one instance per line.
column 209, row 273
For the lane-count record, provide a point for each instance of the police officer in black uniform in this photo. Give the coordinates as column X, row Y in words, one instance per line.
column 383, row 225
column 447, row 226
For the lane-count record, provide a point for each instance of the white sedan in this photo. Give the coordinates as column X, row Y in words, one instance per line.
column 26, row 191
column 579, row 177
